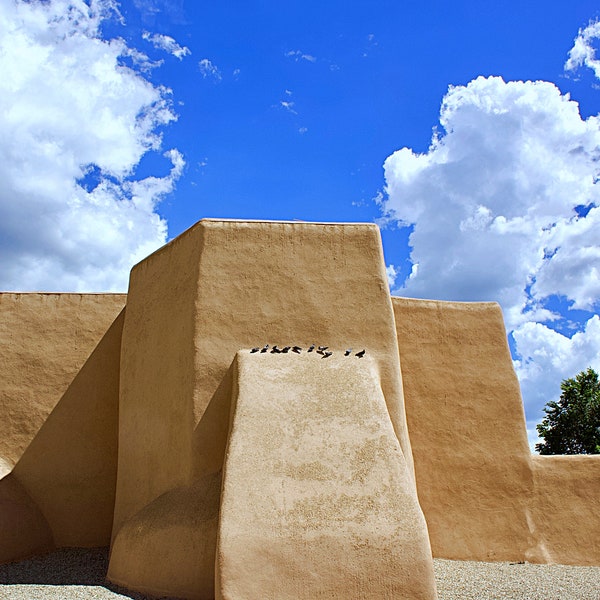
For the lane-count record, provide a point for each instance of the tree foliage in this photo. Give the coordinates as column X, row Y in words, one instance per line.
column 572, row 425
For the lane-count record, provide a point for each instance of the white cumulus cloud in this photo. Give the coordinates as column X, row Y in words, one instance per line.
column 74, row 125
column 392, row 273
column 547, row 357
column 504, row 206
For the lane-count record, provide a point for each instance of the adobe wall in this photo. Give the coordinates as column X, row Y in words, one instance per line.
column 567, row 493
column 44, row 341
column 219, row 287
column 226, row 285
column 467, row 427
column 23, row 529
column 317, row 498
column 59, row 357
column 70, row 467
column 66, row 358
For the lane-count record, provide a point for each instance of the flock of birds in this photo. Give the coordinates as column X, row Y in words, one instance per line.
column 322, row 350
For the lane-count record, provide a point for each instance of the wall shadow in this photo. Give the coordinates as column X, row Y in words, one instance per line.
column 69, row 468
column 65, row 567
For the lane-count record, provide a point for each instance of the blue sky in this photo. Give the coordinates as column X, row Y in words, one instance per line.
column 468, row 130
column 360, row 79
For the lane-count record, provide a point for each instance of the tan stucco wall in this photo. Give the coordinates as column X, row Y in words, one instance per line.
column 317, row 501
column 70, row 466
column 158, row 377
column 44, row 341
column 180, row 524
column 62, row 419
column 467, row 428
column 80, row 376
column 219, row 287
column 567, row 509
column 23, row 529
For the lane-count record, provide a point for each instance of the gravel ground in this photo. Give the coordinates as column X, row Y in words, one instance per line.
column 466, row 580
column 78, row 574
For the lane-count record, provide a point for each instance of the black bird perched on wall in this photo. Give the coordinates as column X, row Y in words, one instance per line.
column 296, row 349
column 348, row 352
column 265, row 348
column 323, row 348
column 361, row 353
column 254, row 350
column 311, row 348
column 286, row 349
column 275, row 350
column 326, row 354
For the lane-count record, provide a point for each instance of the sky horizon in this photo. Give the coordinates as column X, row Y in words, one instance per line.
column 469, row 133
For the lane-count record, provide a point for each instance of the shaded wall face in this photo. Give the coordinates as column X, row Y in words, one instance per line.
column 157, row 376
column 467, row 429
column 70, row 466
column 23, row 529
column 59, row 391
column 44, row 341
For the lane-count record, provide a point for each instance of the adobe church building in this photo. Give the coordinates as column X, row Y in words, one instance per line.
column 155, row 423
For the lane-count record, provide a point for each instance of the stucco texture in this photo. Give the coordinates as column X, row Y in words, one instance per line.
column 64, row 479
column 566, row 509
column 467, row 427
column 219, row 287
column 23, row 529
column 155, row 429
column 484, row 496
column 317, row 501
column 44, row 341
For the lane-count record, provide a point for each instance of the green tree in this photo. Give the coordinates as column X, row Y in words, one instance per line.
column 572, row 425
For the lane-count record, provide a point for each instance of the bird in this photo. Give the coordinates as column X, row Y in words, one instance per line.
column 254, row 350
column 286, row 349
column 326, row 354
column 265, row 348
column 275, row 350
column 348, row 352
column 361, row 353
column 323, row 348
column 297, row 349
column 312, row 347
